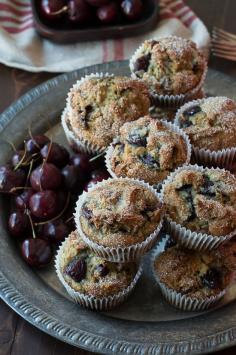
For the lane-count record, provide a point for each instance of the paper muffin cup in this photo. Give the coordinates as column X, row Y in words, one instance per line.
column 187, row 237
column 222, row 158
column 76, row 141
column 169, row 100
column 92, row 302
column 177, row 299
column 118, row 254
column 169, row 125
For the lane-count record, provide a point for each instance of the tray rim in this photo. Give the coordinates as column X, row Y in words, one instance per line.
column 78, row 337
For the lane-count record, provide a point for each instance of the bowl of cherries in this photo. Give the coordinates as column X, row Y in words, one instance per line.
column 68, row 21
column 43, row 181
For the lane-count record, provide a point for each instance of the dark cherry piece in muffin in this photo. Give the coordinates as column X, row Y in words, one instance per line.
column 210, row 123
column 119, row 213
column 170, row 66
column 98, row 107
column 147, row 150
column 203, row 201
column 194, row 274
column 89, row 274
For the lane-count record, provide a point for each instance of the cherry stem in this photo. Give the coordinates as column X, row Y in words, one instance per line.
column 29, row 172
column 96, row 157
column 31, row 224
column 49, row 150
column 19, row 188
column 11, row 144
column 21, row 161
column 63, row 9
column 59, row 215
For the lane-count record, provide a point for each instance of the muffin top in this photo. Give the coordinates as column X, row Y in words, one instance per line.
column 202, row 201
column 98, row 107
column 89, row 274
column 191, row 273
column 119, row 213
column 147, row 149
column 210, row 123
column 171, row 65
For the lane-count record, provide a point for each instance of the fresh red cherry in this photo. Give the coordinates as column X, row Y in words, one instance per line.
column 132, row 9
column 73, row 178
column 36, row 252
column 98, row 3
column 18, row 223
column 19, row 157
column 100, row 174
column 56, row 154
column 55, row 231
column 22, row 200
column 81, row 160
column 53, row 10
column 46, row 177
column 35, row 143
column 108, row 13
column 43, row 204
column 79, row 12
column 61, row 200
column 10, row 178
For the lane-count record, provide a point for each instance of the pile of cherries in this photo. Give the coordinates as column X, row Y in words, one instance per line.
column 44, row 182
column 90, row 12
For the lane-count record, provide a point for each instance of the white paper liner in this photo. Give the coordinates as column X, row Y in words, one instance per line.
column 78, row 142
column 222, row 158
column 119, row 254
column 167, row 124
column 169, row 100
column 186, row 237
column 92, row 302
column 175, row 298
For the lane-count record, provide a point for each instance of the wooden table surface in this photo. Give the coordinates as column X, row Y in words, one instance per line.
column 18, row 337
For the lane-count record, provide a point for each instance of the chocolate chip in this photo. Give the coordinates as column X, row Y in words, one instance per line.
column 76, row 269
column 147, row 159
column 137, row 139
column 142, row 63
column 212, row 278
column 102, row 270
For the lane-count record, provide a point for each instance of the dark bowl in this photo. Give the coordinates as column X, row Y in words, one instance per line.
column 72, row 35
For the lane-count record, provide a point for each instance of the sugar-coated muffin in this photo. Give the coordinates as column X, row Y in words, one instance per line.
column 148, row 149
column 119, row 213
column 202, row 201
column 209, row 123
column 91, row 275
column 171, row 65
column 99, row 106
column 194, row 274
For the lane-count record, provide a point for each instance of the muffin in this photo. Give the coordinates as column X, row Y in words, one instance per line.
column 91, row 280
column 202, row 201
column 148, row 149
column 170, row 66
column 99, row 105
column 191, row 280
column 210, row 125
column 119, row 218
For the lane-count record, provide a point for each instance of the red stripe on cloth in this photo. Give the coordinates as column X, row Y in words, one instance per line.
column 15, row 30
column 118, row 49
column 5, row 7
column 176, row 7
column 190, row 20
column 20, row 4
column 104, row 52
column 18, row 21
column 164, row 15
column 184, row 13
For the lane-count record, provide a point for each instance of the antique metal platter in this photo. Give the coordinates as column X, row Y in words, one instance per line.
column 145, row 324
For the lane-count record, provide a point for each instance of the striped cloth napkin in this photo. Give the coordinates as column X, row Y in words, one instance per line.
column 21, row 47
